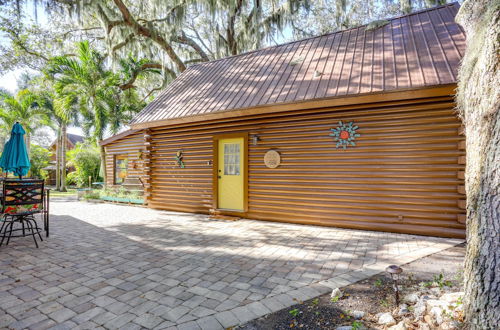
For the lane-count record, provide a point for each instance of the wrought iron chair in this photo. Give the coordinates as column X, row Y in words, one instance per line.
column 46, row 204
column 21, row 200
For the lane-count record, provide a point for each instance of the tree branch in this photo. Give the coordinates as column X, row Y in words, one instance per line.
column 113, row 24
column 230, row 34
column 123, row 43
column 222, row 38
column 158, row 20
column 146, row 32
column 65, row 34
column 184, row 39
column 151, row 92
column 159, row 88
column 29, row 51
column 68, row 2
column 195, row 60
column 200, row 39
column 130, row 83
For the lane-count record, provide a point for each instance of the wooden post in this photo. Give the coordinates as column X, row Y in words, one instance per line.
column 147, row 166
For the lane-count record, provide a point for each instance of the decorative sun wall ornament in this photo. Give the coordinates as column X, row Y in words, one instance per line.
column 178, row 159
column 345, row 134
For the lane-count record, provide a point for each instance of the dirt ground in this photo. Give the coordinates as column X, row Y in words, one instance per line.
column 372, row 296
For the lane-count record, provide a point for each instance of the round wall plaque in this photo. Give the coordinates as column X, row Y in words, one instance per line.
column 272, row 159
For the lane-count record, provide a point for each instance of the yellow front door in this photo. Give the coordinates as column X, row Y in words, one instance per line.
column 231, row 159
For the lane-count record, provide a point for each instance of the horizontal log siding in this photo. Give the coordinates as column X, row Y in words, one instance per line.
column 401, row 176
column 129, row 146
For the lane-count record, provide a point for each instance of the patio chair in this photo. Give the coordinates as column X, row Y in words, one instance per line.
column 46, row 199
column 21, row 200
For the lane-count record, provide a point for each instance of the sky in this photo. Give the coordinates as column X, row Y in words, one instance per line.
column 9, row 80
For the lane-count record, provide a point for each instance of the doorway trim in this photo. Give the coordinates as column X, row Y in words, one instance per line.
column 215, row 167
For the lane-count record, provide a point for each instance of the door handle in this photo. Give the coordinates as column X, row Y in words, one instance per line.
column 218, row 176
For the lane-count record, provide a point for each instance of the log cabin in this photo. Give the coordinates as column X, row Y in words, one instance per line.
column 353, row 129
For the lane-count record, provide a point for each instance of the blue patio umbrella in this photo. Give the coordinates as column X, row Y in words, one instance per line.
column 14, row 157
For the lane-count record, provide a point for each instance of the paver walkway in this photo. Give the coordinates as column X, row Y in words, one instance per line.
column 129, row 267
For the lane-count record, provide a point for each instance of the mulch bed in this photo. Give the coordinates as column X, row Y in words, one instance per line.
column 372, row 296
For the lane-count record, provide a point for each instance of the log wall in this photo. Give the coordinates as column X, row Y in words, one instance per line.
column 403, row 175
column 131, row 146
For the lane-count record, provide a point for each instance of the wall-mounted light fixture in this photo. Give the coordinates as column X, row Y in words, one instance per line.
column 255, row 139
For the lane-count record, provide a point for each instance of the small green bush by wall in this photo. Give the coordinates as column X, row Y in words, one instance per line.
column 86, row 160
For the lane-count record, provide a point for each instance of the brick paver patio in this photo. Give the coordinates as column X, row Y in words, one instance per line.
column 129, row 267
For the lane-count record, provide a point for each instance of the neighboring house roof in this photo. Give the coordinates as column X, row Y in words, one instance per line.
column 72, row 138
column 413, row 51
column 118, row 136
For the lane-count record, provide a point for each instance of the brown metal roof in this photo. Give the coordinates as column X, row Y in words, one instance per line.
column 118, row 136
column 413, row 51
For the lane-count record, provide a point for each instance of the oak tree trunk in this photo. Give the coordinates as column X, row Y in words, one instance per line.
column 478, row 100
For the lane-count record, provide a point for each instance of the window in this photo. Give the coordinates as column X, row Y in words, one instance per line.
column 232, row 159
column 121, row 165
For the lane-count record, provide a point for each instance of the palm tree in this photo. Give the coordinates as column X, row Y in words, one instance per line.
column 24, row 109
column 66, row 113
column 53, row 105
column 46, row 101
column 84, row 85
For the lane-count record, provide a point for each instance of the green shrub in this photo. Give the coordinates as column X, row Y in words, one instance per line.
column 39, row 158
column 135, row 195
column 85, row 157
column 120, row 192
column 92, row 194
column 72, row 179
column 110, row 192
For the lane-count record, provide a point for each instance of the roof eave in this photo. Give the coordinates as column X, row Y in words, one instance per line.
column 374, row 97
column 118, row 136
